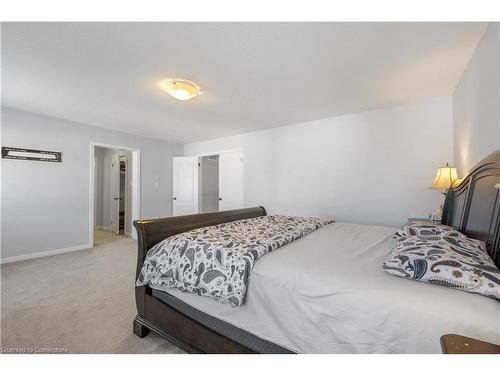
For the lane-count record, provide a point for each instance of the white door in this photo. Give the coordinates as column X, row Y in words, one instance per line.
column 185, row 185
column 115, row 193
column 230, row 180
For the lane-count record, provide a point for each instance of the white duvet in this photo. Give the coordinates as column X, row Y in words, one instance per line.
column 327, row 293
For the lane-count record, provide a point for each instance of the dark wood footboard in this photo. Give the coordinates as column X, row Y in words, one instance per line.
column 155, row 315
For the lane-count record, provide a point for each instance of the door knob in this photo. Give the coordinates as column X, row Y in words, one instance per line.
column 220, row 199
column 175, row 198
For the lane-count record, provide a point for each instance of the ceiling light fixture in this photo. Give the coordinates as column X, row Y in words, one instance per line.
column 181, row 89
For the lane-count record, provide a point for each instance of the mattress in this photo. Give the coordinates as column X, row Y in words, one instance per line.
column 327, row 293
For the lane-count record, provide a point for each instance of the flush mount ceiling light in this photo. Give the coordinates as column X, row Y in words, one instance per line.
column 181, row 89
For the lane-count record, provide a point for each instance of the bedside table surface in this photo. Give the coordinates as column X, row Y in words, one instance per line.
column 457, row 344
column 424, row 219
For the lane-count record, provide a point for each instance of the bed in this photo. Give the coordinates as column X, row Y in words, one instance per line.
column 326, row 292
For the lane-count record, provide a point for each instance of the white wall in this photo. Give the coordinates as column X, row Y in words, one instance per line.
column 476, row 103
column 45, row 206
column 373, row 167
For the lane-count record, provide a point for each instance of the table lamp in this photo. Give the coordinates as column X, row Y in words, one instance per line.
column 445, row 177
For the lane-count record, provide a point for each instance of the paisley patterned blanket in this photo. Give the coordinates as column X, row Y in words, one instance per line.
column 216, row 261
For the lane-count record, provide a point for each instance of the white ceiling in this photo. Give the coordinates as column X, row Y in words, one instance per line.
column 253, row 75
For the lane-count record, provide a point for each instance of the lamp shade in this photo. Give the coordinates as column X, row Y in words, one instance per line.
column 445, row 177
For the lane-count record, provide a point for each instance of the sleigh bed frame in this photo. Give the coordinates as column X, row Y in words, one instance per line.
column 473, row 207
column 154, row 314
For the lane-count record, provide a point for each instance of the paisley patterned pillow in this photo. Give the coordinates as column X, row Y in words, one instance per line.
column 428, row 230
column 456, row 262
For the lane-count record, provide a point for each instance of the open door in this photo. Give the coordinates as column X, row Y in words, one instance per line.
column 230, row 180
column 185, row 179
column 115, row 193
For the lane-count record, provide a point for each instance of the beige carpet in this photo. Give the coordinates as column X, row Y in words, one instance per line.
column 79, row 302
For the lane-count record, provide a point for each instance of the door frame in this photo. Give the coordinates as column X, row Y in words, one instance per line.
column 136, row 185
column 203, row 154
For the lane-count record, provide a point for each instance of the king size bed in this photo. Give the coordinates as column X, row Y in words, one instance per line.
column 324, row 291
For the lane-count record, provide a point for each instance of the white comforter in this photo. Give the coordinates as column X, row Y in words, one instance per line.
column 327, row 293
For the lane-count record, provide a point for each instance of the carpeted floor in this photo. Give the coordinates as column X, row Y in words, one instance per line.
column 79, row 302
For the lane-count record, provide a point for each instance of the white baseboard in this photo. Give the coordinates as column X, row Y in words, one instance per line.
column 42, row 254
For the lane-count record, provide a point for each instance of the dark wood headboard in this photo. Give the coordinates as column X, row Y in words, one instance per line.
column 473, row 206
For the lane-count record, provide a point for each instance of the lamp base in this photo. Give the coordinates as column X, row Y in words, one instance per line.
column 436, row 215
column 440, row 212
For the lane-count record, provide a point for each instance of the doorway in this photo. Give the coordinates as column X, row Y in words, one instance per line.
column 209, row 186
column 114, row 193
column 208, row 183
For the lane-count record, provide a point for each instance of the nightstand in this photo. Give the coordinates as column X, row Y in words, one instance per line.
column 456, row 344
column 424, row 219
